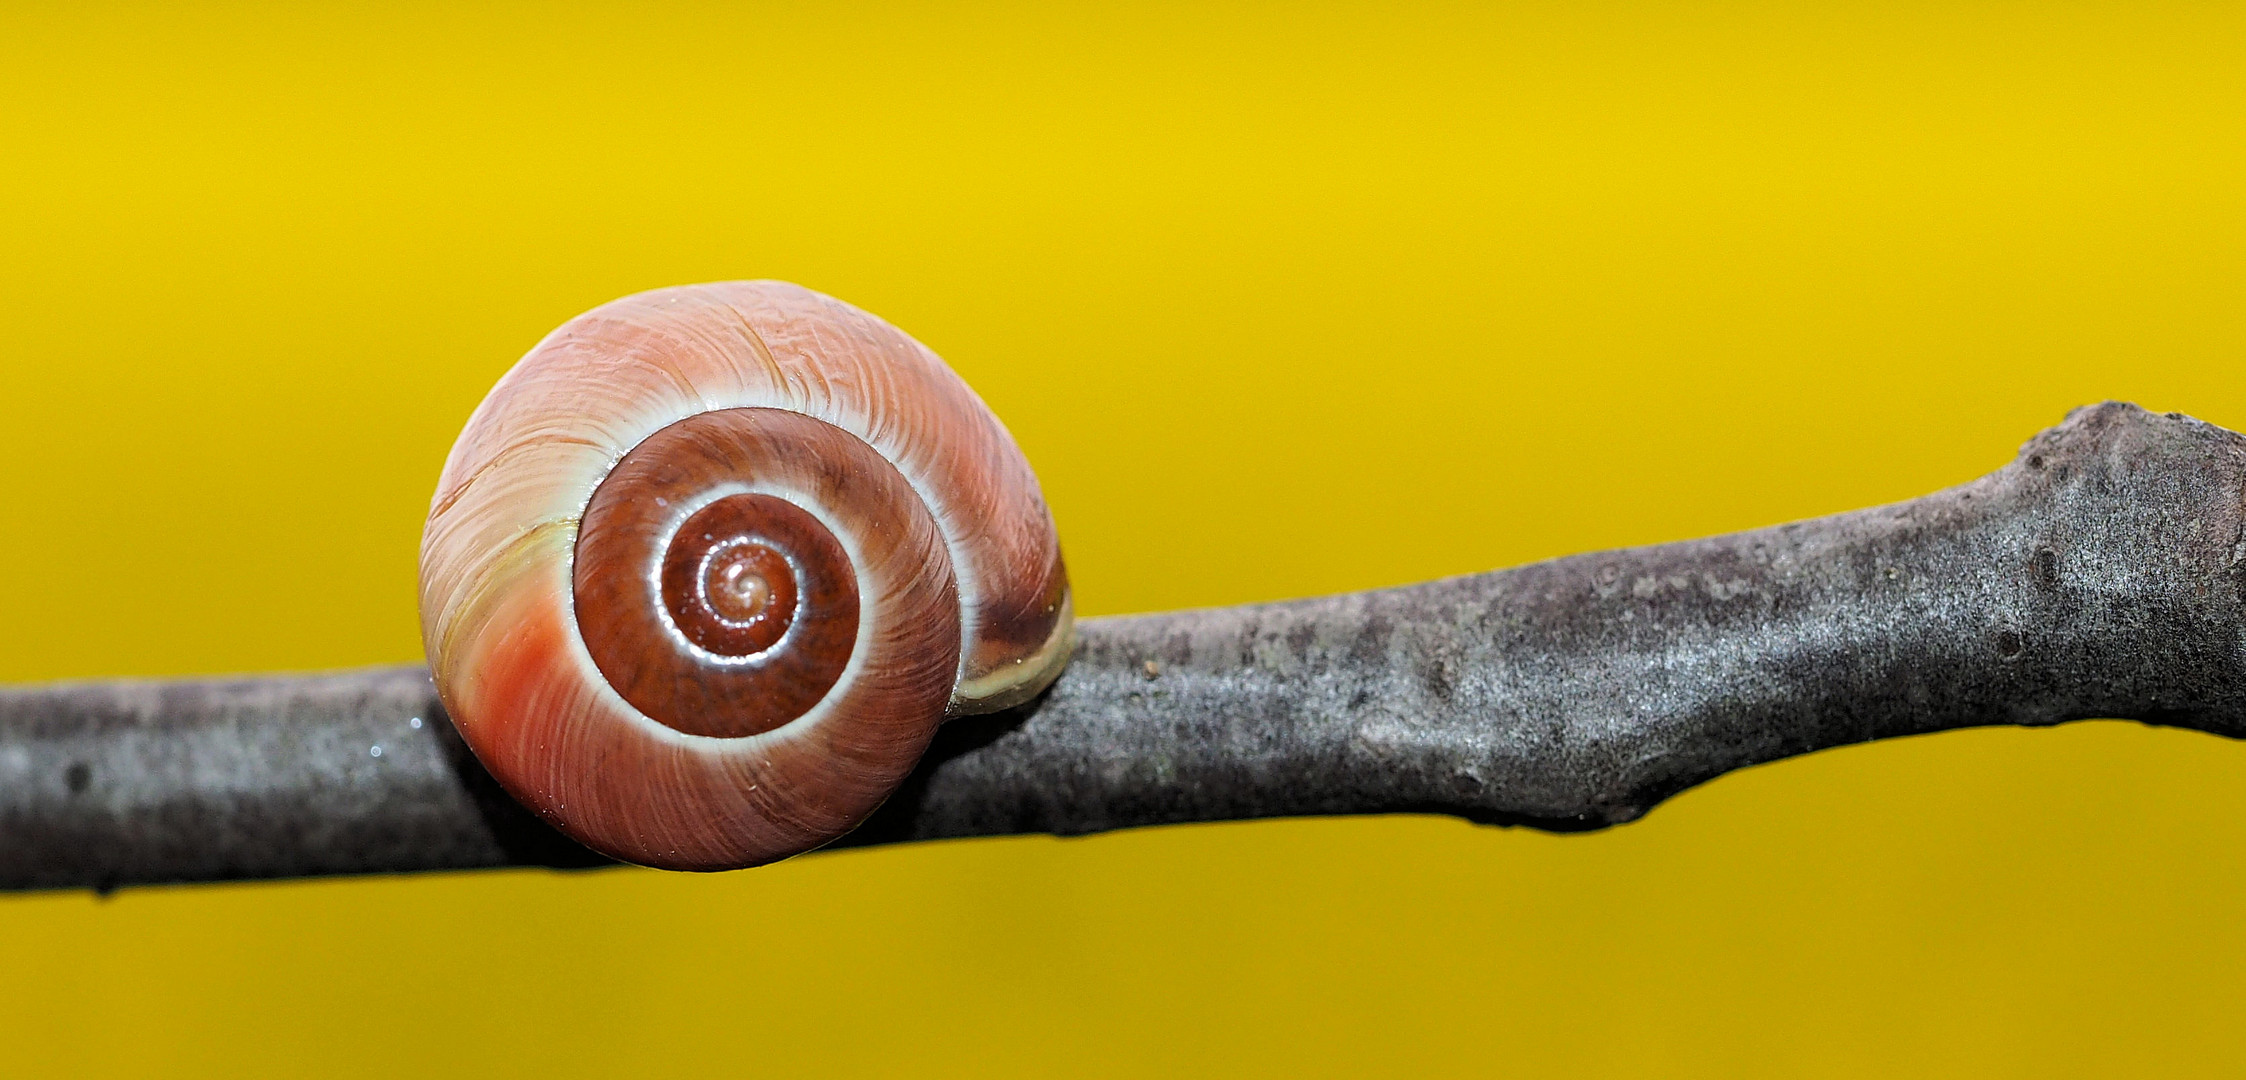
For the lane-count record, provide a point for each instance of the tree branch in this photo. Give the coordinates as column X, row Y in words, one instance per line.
column 2102, row 574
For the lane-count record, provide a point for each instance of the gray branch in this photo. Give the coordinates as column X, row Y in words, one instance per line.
column 2102, row 574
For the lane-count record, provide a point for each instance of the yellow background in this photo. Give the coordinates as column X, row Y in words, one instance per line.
column 1280, row 301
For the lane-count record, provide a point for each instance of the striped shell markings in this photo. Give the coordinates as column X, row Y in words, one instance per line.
column 709, row 566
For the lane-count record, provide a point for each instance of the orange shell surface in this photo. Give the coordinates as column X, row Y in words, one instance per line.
column 501, row 628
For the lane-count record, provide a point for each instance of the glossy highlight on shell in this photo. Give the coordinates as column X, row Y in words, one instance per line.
column 709, row 566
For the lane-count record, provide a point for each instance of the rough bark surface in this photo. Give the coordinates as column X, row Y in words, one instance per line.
column 2101, row 574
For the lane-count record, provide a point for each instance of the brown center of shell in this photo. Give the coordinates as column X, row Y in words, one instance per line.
column 739, row 619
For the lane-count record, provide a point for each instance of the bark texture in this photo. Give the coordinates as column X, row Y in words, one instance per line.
column 2101, row 574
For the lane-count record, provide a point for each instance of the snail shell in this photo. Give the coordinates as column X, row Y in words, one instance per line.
column 709, row 566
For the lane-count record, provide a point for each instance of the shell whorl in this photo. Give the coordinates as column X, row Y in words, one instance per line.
column 710, row 564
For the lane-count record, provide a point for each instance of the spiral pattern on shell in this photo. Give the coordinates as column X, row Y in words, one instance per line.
column 709, row 566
